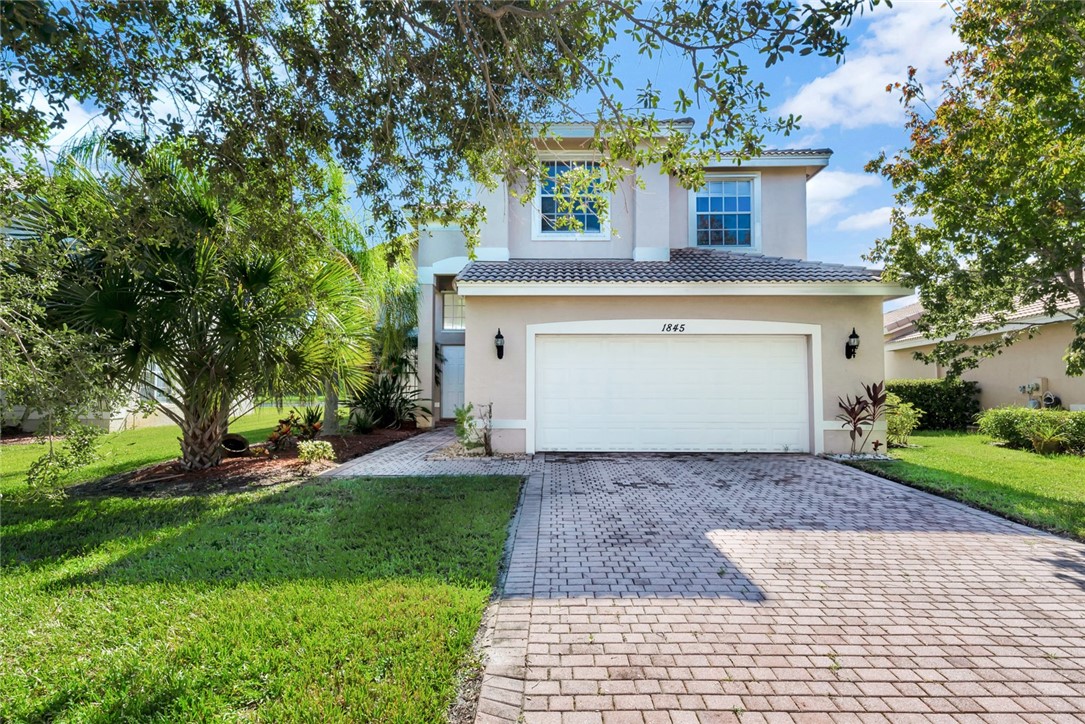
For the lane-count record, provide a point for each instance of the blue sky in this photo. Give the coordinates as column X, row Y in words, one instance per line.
column 844, row 107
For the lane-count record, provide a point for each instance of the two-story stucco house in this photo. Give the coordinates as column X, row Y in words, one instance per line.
column 685, row 321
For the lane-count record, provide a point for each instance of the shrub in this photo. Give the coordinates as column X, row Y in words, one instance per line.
column 475, row 432
column 389, row 400
column 1044, row 431
column 360, row 422
column 312, row 451
column 48, row 474
column 1075, row 432
column 1006, row 424
column 312, row 420
column 946, row 404
column 901, row 418
column 285, row 433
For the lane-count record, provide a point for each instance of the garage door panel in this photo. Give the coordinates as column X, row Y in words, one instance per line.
column 683, row 393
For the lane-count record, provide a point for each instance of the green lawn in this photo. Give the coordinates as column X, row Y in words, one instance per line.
column 337, row 600
column 127, row 450
column 1047, row 492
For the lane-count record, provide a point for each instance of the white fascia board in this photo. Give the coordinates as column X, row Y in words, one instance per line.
column 685, row 289
column 1015, row 325
column 776, row 161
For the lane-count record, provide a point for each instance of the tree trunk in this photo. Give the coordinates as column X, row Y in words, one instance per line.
column 201, row 438
column 331, row 407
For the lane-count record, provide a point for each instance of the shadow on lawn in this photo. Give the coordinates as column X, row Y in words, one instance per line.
column 1064, row 517
column 38, row 534
column 445, row 529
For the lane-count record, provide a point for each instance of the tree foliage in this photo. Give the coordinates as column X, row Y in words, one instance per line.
column 990, row 193
column 411, row 98
column 195, row 302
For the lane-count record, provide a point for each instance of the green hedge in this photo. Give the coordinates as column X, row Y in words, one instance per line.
column 946, row 405
column 1038, row 430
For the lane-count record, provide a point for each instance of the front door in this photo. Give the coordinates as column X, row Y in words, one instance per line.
column 451, row 380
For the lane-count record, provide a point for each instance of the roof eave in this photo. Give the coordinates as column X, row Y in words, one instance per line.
column 872, row 288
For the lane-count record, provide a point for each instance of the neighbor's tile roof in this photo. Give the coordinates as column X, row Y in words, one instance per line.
column 897, row 319
column 794, row 152
column 904, row 324
column 685, row 265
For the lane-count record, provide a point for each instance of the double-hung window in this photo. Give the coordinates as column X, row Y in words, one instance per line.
column 724, row 214
column 563, row 213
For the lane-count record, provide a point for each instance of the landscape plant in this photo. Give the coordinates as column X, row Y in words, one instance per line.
column 861, row 412
column 1040, row 430
column 1006, row 424
column 947, row 404
column 310, row 422
column 199, row 304
column 901, row 419
column 475, row 431
column 360, row 422
column 389, row 400
column 312, row 451
column 47, row 475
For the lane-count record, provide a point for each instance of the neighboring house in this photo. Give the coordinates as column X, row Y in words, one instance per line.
column 1037, row 361
column 686, row 321
column 127, row 417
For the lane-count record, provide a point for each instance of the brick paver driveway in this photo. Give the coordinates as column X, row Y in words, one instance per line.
column 712, row 588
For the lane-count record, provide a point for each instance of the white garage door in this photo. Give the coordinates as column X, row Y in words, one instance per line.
column 728, row 393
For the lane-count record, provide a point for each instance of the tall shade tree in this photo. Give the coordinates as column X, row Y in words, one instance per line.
column 990, row 194
column 199, row 307
column 410, row 97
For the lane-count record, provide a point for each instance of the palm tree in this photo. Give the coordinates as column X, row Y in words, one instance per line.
column 201, row 311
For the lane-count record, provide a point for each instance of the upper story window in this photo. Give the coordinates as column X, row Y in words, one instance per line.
column 454, row 318
column 724, row 213
column 562, row 215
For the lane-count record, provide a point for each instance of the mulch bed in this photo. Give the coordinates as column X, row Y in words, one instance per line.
column 20, row 438
column 236, row 474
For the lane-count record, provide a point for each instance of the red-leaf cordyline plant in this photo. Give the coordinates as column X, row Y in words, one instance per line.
column 861, row 412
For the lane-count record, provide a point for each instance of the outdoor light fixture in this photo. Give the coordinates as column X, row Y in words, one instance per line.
column 499, row 343
column 852, row 345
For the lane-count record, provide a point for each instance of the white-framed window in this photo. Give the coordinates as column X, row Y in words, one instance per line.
column 453, row 318
column 725, row 213
column 554, row 220
column 154, row 386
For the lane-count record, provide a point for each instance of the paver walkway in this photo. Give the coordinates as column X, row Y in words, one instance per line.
column 698, row 588
column 412, row 457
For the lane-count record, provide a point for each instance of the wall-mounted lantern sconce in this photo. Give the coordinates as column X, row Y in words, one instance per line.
column 851, row 347
column 499, row 343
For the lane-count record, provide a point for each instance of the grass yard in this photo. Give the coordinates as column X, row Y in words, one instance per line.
column 127, row 450
column 338, row 600
column 1046, row 492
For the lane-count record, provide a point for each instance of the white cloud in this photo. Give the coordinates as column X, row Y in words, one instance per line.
column 827, row 192
column 874, row 219
column 77, row 122
column 916, row 33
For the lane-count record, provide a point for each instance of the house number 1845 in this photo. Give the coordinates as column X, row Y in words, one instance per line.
column 674, row 327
